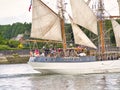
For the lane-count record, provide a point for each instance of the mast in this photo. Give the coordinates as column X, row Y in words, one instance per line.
column 100, row 24
column 61, row 12
column 88, row 2
column 119, row 5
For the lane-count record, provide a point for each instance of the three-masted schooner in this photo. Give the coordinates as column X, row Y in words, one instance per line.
column 49, row 26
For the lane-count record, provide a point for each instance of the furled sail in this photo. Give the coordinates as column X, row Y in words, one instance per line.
column 80, row 38
column 45, row 23
column 83, row 15
column 116, row 30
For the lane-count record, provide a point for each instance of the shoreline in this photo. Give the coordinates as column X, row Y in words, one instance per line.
column 14, row 59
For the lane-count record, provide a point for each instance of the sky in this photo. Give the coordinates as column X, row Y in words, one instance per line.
column 111, row 6
column 12, row 11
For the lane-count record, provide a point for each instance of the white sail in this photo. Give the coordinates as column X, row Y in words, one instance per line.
column 116, row 29
column 80, row 38
column 83, row 15
column 45, row 23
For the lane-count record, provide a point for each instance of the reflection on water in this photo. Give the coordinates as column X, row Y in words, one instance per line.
column 16, row 77
column 23, row 77
column 79, row 82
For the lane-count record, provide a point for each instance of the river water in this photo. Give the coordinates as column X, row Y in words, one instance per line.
column 23, row 77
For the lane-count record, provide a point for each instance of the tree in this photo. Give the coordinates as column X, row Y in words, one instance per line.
column 13, row 43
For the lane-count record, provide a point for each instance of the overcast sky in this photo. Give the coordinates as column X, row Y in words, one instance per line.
column 12, row 11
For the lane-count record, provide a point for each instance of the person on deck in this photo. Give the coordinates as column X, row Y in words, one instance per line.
column 43, row 54
column 31, row 53
column 36, row 52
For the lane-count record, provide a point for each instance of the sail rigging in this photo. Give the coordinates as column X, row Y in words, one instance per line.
column 45, row 23
column 80, row 37
column 83, row 15
column 116, row 30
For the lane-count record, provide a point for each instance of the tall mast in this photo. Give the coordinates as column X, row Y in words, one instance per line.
column 100, row 23
column 88, row 2
column 61, row 12
column 119, row 5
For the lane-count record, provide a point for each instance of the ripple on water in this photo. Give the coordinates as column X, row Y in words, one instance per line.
column 23, row 77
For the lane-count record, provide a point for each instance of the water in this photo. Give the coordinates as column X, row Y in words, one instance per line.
column 23, row 77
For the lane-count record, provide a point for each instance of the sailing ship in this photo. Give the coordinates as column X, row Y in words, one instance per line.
column 47, row 25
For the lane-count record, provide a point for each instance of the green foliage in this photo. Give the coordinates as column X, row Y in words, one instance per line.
column 7, row 32
column 109, row 31
column 69, row 34
column 4, row 47
column 13, row 43
column 10, row 31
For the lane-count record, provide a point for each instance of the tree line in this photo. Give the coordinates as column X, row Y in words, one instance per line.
column 7, row 32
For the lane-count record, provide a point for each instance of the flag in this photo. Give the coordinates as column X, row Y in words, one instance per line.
column 30, row 5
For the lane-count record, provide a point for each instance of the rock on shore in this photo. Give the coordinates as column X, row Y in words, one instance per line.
column 13, row 60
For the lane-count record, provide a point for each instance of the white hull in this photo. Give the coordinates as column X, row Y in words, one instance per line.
column 75, row 68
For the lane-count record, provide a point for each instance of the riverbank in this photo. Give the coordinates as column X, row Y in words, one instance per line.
column 14, row 59
column 14, row 56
